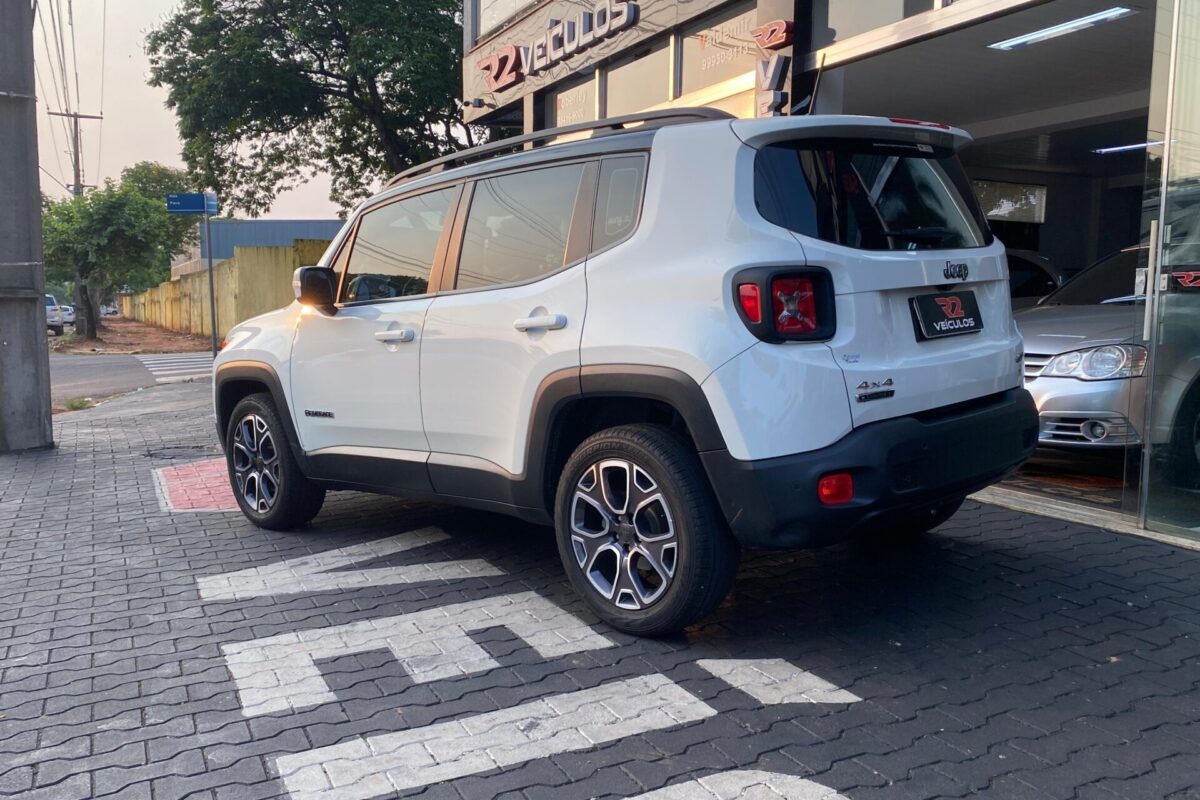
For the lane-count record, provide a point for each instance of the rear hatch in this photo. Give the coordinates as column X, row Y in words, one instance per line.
column 924, row 318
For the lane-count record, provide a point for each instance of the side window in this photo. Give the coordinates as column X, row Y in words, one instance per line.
column 518, row 225
column 618, row 199
column 393, row 251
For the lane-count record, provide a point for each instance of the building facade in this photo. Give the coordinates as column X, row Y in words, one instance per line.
column 1086, row 123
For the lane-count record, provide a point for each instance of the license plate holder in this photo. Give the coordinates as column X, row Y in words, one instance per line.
column 937, row 316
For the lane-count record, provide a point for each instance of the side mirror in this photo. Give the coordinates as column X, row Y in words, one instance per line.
column 314, row 286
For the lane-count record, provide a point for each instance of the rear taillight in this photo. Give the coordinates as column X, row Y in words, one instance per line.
column 782, row 304
column 750, row 301
column 920, row 122
column 793, row 306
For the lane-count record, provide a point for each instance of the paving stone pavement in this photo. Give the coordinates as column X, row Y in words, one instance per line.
column 406, row 649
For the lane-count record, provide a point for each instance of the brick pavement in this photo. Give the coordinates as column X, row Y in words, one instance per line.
column 402, row 649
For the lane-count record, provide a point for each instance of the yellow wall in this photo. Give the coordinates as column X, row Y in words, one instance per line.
column 254, row 281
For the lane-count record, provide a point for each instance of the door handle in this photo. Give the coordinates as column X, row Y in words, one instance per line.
column 546, row 322
column 395, row 335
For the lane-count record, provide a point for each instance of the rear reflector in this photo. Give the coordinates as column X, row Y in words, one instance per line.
column 748, row 297
column 921, row 122
column 836, row 489
column 794, row 305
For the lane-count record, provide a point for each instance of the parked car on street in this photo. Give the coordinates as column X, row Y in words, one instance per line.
column 807, row 340
column 54, row 315
column 68, row 315
column 1031, row 277
column 1085, row 364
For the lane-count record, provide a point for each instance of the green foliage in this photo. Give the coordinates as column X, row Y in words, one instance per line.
column 268, row 92
column 155, row 181
column 108, row 237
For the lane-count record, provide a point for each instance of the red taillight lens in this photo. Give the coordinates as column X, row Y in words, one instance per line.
column 748, row 297
column 923, row 123
column 794, row 305
column 836, row 489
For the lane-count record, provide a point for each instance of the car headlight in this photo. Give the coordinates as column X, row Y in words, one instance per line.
column 1099, row 363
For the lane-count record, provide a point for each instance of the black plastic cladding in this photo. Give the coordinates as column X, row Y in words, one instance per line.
column 765, row 329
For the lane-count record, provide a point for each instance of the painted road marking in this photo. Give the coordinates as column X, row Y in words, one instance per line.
column 278, row 673
column 315, row 573
column 384, row 764
column 773, row 681
column 178, row 367
column 745, row 784
column 197, row 486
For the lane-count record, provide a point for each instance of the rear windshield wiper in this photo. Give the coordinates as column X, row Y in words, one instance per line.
column 921, row 234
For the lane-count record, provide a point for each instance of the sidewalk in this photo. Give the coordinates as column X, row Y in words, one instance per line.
column 406, row 649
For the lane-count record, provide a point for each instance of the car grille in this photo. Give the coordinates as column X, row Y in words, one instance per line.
column 1035, row 363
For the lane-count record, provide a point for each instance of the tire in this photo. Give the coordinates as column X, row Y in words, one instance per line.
column 1185, row 442
column 258, row 456
column 57, row 329
column 653, row 571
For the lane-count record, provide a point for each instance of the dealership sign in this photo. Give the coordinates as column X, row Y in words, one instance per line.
column 509, row 65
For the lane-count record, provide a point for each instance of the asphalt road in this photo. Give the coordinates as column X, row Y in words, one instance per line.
column 95, row 376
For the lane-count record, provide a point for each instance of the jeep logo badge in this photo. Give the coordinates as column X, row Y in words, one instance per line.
column 956, row 272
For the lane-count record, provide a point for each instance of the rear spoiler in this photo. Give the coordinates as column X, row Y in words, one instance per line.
column 768, row 130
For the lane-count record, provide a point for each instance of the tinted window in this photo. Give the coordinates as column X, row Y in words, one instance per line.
column 870, row 195
column 50, row 301
column 618, row 200
column 1027, row 279
column 518, row 225
column 394, row 248
column 1112, row 278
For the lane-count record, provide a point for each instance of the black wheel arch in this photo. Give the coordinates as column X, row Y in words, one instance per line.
column 236, row 380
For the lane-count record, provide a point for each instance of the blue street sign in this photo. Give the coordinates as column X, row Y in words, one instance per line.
column 192, row 203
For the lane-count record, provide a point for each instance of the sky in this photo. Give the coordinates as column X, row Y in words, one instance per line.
column 137, row 125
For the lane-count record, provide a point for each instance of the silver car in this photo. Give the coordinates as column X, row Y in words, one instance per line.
column 1085, row 364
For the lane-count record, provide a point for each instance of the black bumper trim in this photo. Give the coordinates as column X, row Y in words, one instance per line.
column 900, row 466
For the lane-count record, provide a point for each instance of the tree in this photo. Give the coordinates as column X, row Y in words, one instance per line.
column 268, row 92
column 107, row 237
column 155, row 181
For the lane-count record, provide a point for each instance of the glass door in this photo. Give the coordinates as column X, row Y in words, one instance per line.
column 1171, row 461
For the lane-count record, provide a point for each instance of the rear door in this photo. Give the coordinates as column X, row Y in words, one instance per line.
column 923, row 308
column 511, row 314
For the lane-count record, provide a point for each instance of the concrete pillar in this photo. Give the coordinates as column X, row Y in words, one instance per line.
column 24, row 355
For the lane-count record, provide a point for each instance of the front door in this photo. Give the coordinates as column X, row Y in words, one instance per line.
column 355, row 372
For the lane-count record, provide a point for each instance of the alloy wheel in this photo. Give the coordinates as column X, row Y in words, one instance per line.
column 256, row 467
column 622, row 534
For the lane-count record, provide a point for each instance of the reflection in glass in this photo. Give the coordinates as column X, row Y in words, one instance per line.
column 719, row 49
column 835, row 20
column 395, row 246
column 639, row 83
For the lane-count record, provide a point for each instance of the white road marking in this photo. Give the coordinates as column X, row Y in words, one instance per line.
column 384, row 764
column 314, row 573
column 773, row 681
column 745, row 784
column 176, row 367
column 278, row 673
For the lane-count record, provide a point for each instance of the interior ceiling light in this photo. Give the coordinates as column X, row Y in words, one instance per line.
column 1063, row 28
column 1125, row 148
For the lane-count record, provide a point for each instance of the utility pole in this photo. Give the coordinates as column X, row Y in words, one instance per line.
column 24, row 354
column 76, row 188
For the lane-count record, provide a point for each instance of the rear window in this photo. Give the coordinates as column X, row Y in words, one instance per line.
column 869, row 195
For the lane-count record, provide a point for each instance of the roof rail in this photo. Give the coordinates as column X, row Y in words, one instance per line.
column 602, row 127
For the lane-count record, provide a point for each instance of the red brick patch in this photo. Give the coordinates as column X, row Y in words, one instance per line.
column 197, row 486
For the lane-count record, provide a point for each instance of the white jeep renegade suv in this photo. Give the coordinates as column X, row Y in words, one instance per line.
column 683, row 333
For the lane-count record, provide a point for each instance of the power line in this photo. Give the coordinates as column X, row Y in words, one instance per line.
column 49, row 122
column 75, row 67
column 53, row 75
column 56, row 180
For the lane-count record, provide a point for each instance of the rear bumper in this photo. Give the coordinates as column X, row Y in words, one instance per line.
column 900, row 466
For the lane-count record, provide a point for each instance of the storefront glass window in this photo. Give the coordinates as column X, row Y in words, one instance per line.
column 641, row 82
column 719, row 48
column 835, row 20
column 493, row 13
column 572, row 104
